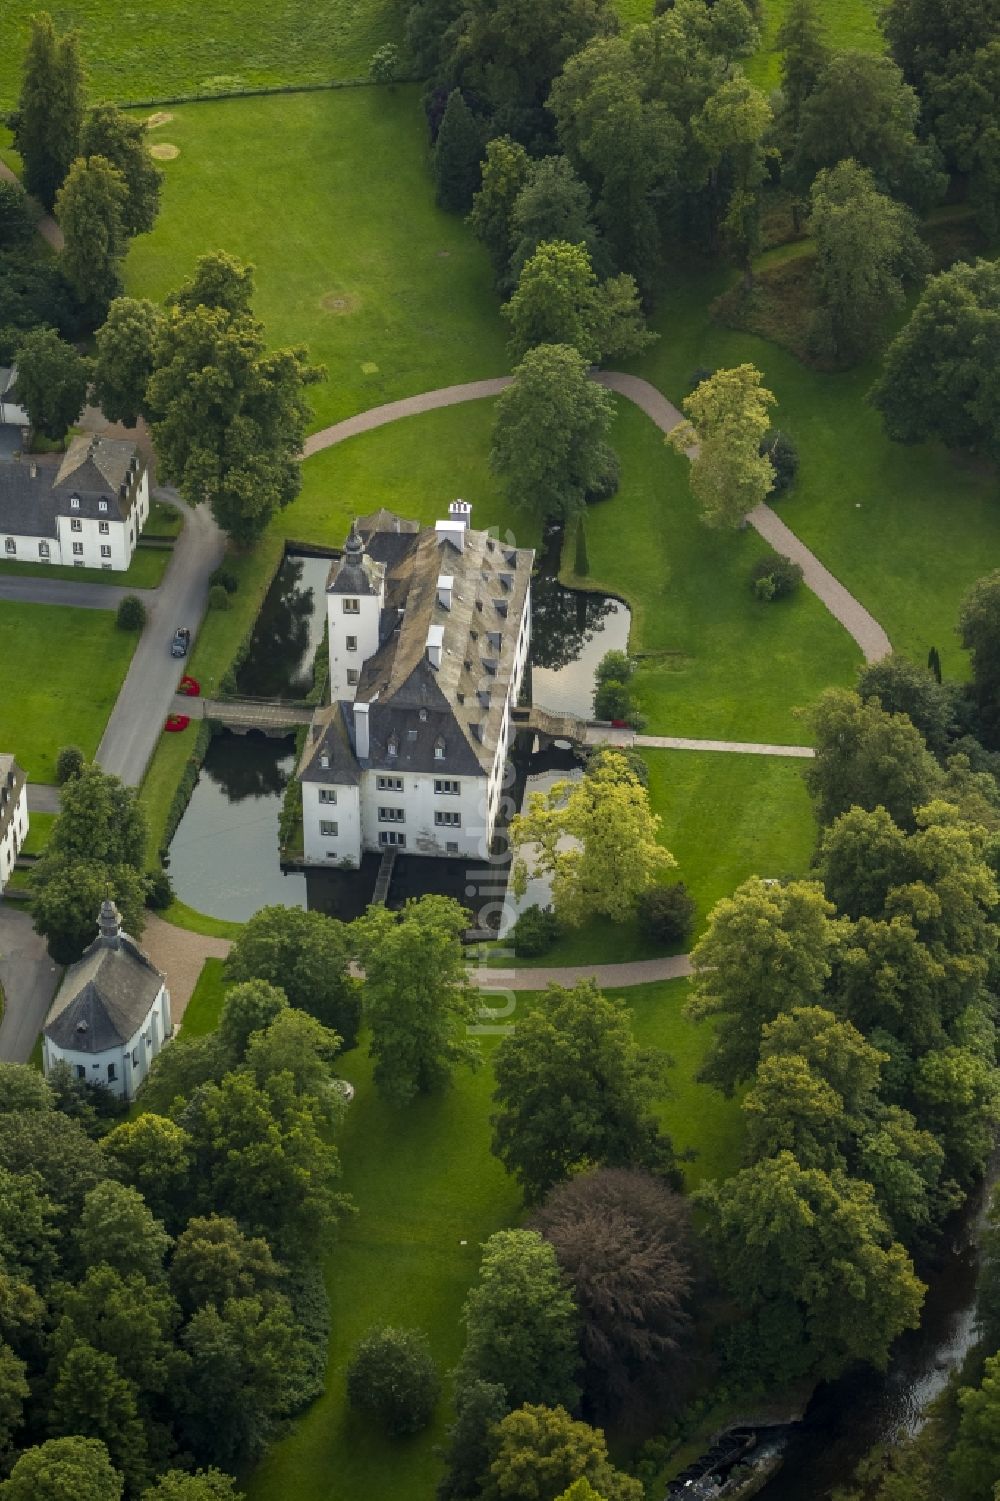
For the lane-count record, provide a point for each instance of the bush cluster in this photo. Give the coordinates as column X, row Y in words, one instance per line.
column 775, row 577
column 535, row 931
column 666, row 913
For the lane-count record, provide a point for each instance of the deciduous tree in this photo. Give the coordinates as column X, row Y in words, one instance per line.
column 479, row 1406
column 506, row 168
column 540, row 1451
column 126, row 343
column 67, row 895
column 118, row 1228
column 52, row 380
column 392, row 1376
column 573, row 1089
column 979, row 629
column 307, row 955
column 553, row 204
column 121, row 140
column 866, row 758
column 975, row 1458
column 64, row 1469
column 91, row 207
column 559, row 300
column 418, row 1000
column 214, row 1261
column 550, row 437
column 729, row 420
column 203, row 1485
column 153, row 1155
column 521, row 1324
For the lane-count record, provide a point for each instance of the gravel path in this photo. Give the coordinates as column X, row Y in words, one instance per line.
column 610, row 976
column 46, row 225
column 180, row 954
column 851, row 614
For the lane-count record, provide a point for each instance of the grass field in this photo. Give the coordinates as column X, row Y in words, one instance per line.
column 40, row 827
column 62, row 669
column 201, row 1014
column 849, row 23
column 184, row 47
column 329, row 196
column 428, row 1194
column 145, row 571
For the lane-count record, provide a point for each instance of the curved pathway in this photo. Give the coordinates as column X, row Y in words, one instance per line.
column 842, row 605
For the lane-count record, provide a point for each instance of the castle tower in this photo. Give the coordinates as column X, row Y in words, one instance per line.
column 355, row 595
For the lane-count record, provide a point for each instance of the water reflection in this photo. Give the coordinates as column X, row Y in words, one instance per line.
column 289, row 628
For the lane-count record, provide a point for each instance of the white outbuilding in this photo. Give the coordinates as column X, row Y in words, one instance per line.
column 111, row 1015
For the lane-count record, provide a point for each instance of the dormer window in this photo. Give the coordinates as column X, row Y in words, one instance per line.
column 392, row 746
column 439, row 749
column 102, row 505
column 74, row 502
column 501, row 606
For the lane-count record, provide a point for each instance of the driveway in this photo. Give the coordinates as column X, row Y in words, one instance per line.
column 147, row 693
column 29, row 979
column 39, row 591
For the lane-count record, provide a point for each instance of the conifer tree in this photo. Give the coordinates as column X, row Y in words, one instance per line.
column 50, row 109
column 457, row 154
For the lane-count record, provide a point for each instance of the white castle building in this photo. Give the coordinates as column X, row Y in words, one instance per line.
column 13, row 815
column 429, row 630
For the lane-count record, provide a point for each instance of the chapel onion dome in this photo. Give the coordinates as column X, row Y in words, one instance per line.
column 354, row 548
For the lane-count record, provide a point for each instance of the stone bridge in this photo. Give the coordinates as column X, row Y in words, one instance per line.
column 268, row 716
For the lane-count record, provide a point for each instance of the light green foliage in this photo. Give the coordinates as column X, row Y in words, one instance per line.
column 125, row 358
column 52, row 379
column 50, row 107
column 118, row 1229
column 940, row 378
column 22, row 1089
column 731, row 130
column 540, row 1451
column 248, row 1008
column 559, row 301
column 214, row 1261
column 574, row 1089
column 521, row 1324
column 613, row 852
column 153, row 1155
column 383, row 65
column 121, row 140
column 63, row 1469
column 866, row 758
column 228, row 415
column 90, row 1397
column 866, row 246
column 767, row 949
column 305, row 954
column 975, row 1459
column 812, row 1262
column 203, row 1485
column 417, row 996
column 506, row 168
column 729, row 418
column 91, row 206
column 550, row 437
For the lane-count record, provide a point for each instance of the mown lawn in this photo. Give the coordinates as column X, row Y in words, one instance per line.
column 725, row 817
column 849, row 23
column 201, row 1014
column 428, row 1194
column 329, row 196
column 183, row 46
column 908, row 530
column 40, row 827
column 145, row 571
column 62, row 669
column 716, row 663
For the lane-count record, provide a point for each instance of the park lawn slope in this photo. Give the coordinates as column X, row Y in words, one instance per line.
column 848, row 23
column 208, row 46
column 329, row 197
column 62, row 669
column 715, row 663
column 907, row 530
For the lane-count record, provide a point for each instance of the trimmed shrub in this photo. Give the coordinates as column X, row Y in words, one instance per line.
column 775, row 577
column 131, row 614
column 666, row 913
column 535, row 931
column 69, row 763
column 159, row 893
column 392, row 1376
column 218, row 597
column 226, row 577
column 784, row 456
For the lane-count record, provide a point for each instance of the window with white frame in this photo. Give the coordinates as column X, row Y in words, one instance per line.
column 391, row 837
column 74, row 503
column 439, row 750
column 104, row 527
column 105, row 552
column 76, row 525
column 351, row 643
column 389, row 784
column 102, row 505
column 392, row 815
column 449, row 785
column 352, row 677
column 448, row 820
column 77, row 548
column 327, row 826
column 327, row 795
column 10, row 545
column 43, row 549
column 351, row 606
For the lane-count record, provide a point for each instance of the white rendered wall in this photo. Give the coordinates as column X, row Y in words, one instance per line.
column 17, row 830
column 331, row 849
column 364, row 626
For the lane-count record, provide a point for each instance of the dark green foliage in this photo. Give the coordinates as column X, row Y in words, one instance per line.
column 91, row 206
column 69, row 763
column 305, row 1289
column 552, row 204
column 457, row 154
column 775, row 577
column 534, row 933
column 226, row 577
column 612, row 701
column 574, row 1089
column 392, row 1376
column 934, row 663
column 478, row 1406
column 901, row 687
column 306, row 955
column 52, row 380
column 185, row 786
column 926, row 35
column 121, row 140
column 506, row 168
column 34, row 291
column 125, row 358
column 49, row 114
column 58, row 1150
column 666, row 913
column 581, row 560
column 784, row 458
column 604, row 482
column 159, row 891
column 218, row 598
column 17, row 225
column 67, row 893
column 131, row 613
column 866, row 758
column 979, row 629
column 804, row 55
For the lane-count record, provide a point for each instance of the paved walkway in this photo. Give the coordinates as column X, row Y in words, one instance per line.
column 608, row 976
column 29, row 979
column 732, row 747
column 46, row 225
column 851, row 614
column 43, row 797
column 65, row 591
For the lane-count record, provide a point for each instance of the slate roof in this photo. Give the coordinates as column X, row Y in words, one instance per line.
column 35, row 491
column 12, row 779
column 104, row 998
column 414, row 706
column 329, row 735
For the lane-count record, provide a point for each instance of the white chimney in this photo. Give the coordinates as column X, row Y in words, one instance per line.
column 361, row 743
column 461, row 511
column 435, row 644
column 451, row 531
column 446, row 585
